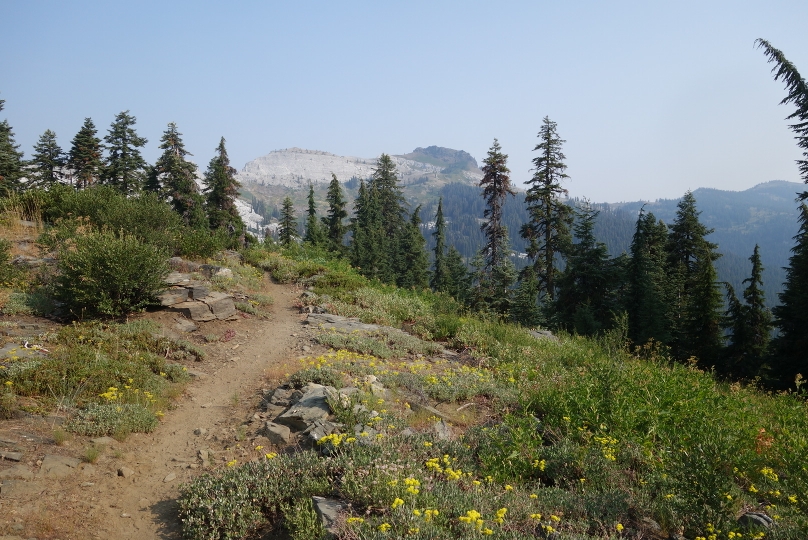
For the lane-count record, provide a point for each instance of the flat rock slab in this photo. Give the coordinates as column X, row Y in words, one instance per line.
column 196, row 311
column 313, row 405
column 220, row 304
column 17, row 489
column 59, row 466
column 10, row 456
column 543, row 334
column 17, row 471
column 176, row 278
column 184, row 325
column 328, row 510
column 171, row 297
column 13, row 351
column 277, row 434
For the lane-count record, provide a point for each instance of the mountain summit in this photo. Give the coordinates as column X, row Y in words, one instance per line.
column 297, row 167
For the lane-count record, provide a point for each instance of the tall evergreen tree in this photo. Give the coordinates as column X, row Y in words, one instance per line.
column 697, row 300
column 457, row 282
column 369, row 246
column 497, row 273
column 125, row 168
column 221, row 192
column 440, row 277
column 47, row 161
column 314, row 232
column 798, row 95
column 175, row 177
column 11, row 163
column 548, row 231
column 750, row 325
column 791, row 316
column 413, row 260
column 335, row 229
column 84, row 158
column 586, row 289
column 525, row 309
column 648, row 302
column 391, row 199
column 287, row 231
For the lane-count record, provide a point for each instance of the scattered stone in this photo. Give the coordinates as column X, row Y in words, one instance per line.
column 543, row 334
column 175, row 278
column 10, row 456
column 200, row 431
column 443, row 432
column 126, row 472
column 337, row 322
column 169, row 478
column 328, row 510
column 420, row 408
column 756, row 520
column 378, row 390
column 87, row 484
column 204, row 456
column 171, row 297
column 206, row 405
column 319, row 429
column 184, row 325
column 313, row 405
column 59, row 466
column 277, row 434
column 211, row 270
column 125, row 515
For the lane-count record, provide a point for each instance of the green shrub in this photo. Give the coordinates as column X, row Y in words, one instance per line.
column 105, row 274
column 109, row 418
column 201, row 242
column 324, row 375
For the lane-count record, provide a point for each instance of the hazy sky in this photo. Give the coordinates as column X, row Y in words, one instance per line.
column 653, row 98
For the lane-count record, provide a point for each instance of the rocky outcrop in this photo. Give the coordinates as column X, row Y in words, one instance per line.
column 193, row 298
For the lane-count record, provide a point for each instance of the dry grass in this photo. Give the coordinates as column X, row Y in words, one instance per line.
column 20, row 232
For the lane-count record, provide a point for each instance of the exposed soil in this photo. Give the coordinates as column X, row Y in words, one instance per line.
column 93, row 501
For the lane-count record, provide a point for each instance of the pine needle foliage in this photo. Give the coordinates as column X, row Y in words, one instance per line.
column 125, row 168
column 47, row 161
column 221, row 192
column 85, row 155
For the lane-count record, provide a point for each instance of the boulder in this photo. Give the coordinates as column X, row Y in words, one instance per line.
column 752, row 520
column 211, row 271
column 170, row 297
column 59, row 466
column 328, row 510
column 319, row 429
column 176, row 278
column 277, row 434
column 313, row 405
column 196, row 311
column 220, row 304
column 443, row 432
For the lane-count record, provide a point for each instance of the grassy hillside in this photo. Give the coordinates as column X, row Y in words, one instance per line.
column 577, row 437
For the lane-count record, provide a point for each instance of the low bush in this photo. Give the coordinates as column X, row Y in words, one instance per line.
column 109, row 275
column 109, row 418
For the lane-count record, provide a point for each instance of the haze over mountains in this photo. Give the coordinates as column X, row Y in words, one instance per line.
column 765, row 214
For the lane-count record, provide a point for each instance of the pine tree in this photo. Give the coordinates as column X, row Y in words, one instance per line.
column 125, row 168
column 287, row 231
column 648, row 303
column 798, row 95
column 47, row 161
column 525, row 309
column 221, row 192
column 457, row 282
column 497, row 273
column 386, row 194
column 335, row 229
column 11, row 163
column 314, row 232
column 413, row 260
column 175, row 177
column 440, row 278
column 750, row 325
column 696, row 298
column 791, row 316
column 84, row 158
column 369, row 246
column 586, row 289
column 548, row 231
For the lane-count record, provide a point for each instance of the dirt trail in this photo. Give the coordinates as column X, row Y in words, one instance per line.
column 96, row 502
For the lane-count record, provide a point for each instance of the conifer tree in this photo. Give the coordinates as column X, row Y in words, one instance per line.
column 525, row 309
column 314, row 232
column 335, row 229
column 648, row 303
column 175, row 177
column 413, row 260
column 696, row 298
column 497, row 273
column 548, row 231
column 440, row 278
column 750, row 325
column 47, row 161
column 586, row 288
column 369, row 245
column 791, row 316
column 11, row 163
column 287, row 231
column 84, row 158
column 457, row 283
column 221, row 192
column 798, row 95
column 391, row 200
column 125, row 168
